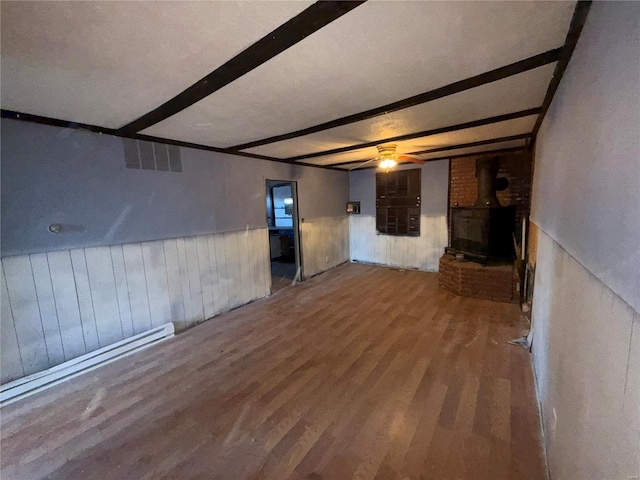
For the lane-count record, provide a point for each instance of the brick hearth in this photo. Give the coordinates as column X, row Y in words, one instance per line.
column 470, row 279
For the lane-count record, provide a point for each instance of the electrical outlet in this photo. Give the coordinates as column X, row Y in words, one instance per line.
column 326, row 259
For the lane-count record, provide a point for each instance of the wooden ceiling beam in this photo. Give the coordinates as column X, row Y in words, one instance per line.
column 452, row 157
column 54, row 122
column 489, row 141
column 312, row 19
column 520, row 136
column 425, row 133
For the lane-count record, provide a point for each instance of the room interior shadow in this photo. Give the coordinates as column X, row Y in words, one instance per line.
column 282, row 220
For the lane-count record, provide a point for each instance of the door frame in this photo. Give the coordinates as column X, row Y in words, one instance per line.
column 296, row 222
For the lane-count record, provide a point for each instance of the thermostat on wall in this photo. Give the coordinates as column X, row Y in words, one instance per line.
column 353, row 207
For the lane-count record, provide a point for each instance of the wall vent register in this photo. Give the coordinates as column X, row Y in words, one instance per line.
column 398, row 202
column 160, row 157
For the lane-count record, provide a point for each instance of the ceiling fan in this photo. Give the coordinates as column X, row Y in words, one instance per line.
column 388, row 157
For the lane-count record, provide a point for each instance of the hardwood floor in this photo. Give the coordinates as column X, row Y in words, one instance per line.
column 362, row 372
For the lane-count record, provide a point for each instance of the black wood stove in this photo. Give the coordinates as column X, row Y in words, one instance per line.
column 484, row 232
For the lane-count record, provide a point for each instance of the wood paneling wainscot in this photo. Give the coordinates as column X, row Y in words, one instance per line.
column 59, row 305
column 421, row 253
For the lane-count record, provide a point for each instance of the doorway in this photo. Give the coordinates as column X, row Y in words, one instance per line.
column 284, row 233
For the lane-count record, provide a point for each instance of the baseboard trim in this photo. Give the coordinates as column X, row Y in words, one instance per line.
column 23, row 387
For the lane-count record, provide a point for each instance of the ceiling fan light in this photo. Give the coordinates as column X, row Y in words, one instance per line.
column 388, row 163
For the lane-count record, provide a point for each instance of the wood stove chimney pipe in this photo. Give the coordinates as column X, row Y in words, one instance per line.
column 488, row 184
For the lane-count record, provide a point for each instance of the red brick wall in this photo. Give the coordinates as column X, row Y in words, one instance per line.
column 515, row 167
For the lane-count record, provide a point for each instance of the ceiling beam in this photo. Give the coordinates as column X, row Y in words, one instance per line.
column 575, row 29
column 457, row 87
column 425, row 133
column 54, row 122
column 520, row 136
column 452, row 157
column 312, row 19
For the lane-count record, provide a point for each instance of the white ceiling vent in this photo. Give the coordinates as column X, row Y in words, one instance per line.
column 143, row 155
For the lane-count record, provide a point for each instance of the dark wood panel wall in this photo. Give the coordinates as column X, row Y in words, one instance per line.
column 398, row 202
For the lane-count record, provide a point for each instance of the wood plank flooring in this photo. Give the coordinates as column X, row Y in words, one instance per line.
column 362, row 372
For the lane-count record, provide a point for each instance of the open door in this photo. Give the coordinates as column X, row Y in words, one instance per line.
column 284, row 233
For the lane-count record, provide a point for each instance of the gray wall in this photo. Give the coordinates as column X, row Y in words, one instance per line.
column 435, row 188
column 77, row 179
column 138, row 248
column 586, row 203
column 586, row 191
column 422, row 252
column 586, row 352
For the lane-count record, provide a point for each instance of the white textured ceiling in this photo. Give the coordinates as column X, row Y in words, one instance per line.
column 452, row 153
column 495, row 130
column 379, row 53
column 481, row 148
column 449, row 154
column 108, row 63
column 512, row 94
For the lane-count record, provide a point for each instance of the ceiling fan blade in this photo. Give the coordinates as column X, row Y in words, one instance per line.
column 362, row 164
column 406, row 158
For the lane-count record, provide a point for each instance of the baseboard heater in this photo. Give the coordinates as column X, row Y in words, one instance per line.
column 23, row 387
